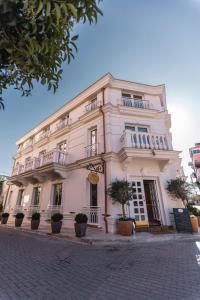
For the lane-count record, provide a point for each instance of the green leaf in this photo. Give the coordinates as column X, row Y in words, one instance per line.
column 48, row 9
column 73, row 9
column 74, row 38
column 40, row 7
column 58, row 12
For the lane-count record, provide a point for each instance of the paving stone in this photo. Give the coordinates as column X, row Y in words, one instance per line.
column 38, row 267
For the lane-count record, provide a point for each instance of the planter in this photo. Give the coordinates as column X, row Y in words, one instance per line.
column 56, row 226
column 194, row 223
column 18, row 222
column 35, row 224
column 4, row 220
column 125, row 227
column 198, row 220
column 80, row 229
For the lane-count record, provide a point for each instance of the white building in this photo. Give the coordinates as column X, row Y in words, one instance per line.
column 4, row 188
column 120, row 125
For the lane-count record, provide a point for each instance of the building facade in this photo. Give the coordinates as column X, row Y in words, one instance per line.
column 118, row 128
column 195, row 163
column 4, row 188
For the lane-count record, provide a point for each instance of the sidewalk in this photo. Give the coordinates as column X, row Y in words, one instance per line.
column 97, row 236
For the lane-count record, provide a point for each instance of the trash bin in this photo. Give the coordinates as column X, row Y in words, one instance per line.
column 194, row 222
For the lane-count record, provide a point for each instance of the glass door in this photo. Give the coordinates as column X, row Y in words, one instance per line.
column 93, row 142
column 138, row 203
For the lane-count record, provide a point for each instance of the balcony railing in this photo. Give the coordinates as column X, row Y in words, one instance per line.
column 94, row 215
column 43, row 135
column 136, row 103
column 62, row 124
column 91, row 106
column 53, row 156
column 33, row 209
column 53, row 209
column 144, row 140
column 91, row 150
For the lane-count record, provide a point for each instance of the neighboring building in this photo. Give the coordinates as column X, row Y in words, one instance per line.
column 3, row 187
column 120, row 127
column 195, row 162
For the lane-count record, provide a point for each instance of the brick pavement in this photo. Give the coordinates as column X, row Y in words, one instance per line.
column 39, row 267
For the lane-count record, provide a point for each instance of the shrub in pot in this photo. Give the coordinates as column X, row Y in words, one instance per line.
column 121, row 192
column 4, row 218
column 19, row 219
column 80, row 225
column 56, row 222
column 35, row 221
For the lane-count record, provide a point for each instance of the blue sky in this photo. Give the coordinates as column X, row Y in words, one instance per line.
column 148, row 41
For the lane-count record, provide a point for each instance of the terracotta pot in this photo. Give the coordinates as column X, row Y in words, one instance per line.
column 35, row 224
column 4, row 220
column 125, row 227
column 194, row 222
column 198, row 220
column 56, row 226
column 80, row 229
column 18, row 222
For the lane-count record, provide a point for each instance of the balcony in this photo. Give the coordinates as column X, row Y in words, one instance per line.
column 62, row 124
column 51, row 165
column 91, row 150
column 135, row 103
column 91, row 106
column 143, row 145
column 144, row 140
column 94, row 215
column 43, row 136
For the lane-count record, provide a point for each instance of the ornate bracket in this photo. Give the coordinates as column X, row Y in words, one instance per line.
column 98, row 168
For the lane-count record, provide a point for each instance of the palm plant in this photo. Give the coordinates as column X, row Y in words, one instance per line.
column 1, row 104
column 121, row 192
column 179, row 189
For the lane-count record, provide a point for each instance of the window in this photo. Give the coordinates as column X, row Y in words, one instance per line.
column 57, row 194
column 93, row 136
column 41, row 153
column 93, row 194
column 137, row 97
column 196, row 151
column 136, row 128
column 20, row 197
column 125, row 95
column 62, row 146
column 36, row 195
column 27, row 159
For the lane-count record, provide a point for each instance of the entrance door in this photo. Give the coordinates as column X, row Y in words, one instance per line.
column 138, row 210
column 152, row 202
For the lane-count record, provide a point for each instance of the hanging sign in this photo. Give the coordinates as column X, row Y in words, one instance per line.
column 93, row 178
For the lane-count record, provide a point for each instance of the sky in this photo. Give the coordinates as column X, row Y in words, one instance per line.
column 147, row 41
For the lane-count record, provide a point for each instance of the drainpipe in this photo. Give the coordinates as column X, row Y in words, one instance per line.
column 104, row 163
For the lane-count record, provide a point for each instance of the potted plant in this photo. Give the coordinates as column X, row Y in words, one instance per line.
column 19, row 219
column 4, row 218
column 80, row 224
column 121, row 192
column 179, row 189
column 35, row 220
column 1, row 207
column 56, row 222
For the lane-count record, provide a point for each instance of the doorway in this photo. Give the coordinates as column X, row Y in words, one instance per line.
column 152, row 202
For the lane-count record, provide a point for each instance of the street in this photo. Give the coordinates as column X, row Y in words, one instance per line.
column 40, row 267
